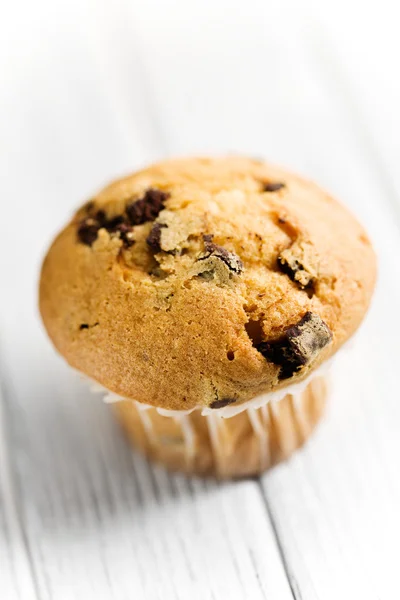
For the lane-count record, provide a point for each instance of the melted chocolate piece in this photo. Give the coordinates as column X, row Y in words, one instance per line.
column 298, row 346
column 208, row 237
column 296, row 271
column 147, row 208
column 114, row 223
column 154, row 238
column 223, row 402
column 89, row 228
column 300, row 264
column 87, row 231
column 231, row 259
column 138, row 212
column 87, row 326
column 273, row 186
column 101, row 217
column 125, row 233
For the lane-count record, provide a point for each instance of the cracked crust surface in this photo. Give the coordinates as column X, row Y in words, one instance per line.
column 167, row 284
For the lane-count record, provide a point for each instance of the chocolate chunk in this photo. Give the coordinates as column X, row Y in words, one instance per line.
column 298, row 346
column 154, row 238
column 114, row 223
column 147, row 208
column 88, row 228
column 87, row 231
column 298, row 263
column 125, row 233
column 223, row 402
column 101, row 218
column 293, row 268
column 273, row 186
column 118, row 225
column 231, row 260
column 86, row 325
column 138, row 212
column 208, row 237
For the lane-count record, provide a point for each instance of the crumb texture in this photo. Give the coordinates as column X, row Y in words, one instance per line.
column 205, row 282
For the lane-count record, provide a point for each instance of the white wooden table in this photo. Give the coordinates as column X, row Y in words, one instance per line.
column 91, row 90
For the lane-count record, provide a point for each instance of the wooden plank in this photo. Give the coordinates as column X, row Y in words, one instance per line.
column 99, row 522
column 16, row 575
column 363, row 71
column 334, row 505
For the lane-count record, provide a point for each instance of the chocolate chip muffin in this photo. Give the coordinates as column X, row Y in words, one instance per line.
column 201, row 289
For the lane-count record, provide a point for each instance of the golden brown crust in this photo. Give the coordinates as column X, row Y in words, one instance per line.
column 173, row 316
column 244, row 445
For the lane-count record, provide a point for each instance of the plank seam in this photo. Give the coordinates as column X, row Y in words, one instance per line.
column 294, row 587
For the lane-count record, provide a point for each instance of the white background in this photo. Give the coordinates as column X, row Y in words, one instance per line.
column 91, row 90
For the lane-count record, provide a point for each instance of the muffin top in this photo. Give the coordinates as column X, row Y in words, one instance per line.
column 205, row 282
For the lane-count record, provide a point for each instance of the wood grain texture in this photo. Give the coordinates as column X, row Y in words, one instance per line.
column 92, row 90
column 101, row 521
column 362, row 67
column 17, row 578
column 334, row 505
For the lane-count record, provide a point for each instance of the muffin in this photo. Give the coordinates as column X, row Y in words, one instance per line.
column 206, row 296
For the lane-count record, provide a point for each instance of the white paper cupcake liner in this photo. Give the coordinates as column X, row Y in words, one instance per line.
column 265, row 417
column 276, row 427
